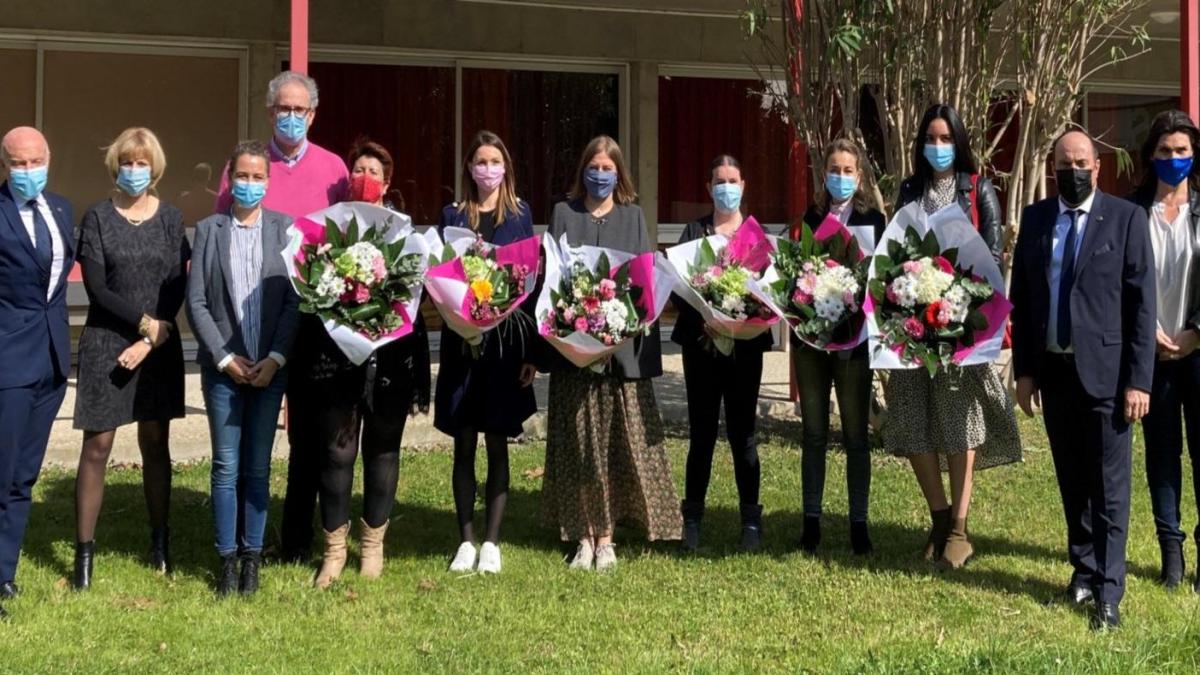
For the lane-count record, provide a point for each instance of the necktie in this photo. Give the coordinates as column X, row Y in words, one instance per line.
column 41, row 231
column 1066, row 279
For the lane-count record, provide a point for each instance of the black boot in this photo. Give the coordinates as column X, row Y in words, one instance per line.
column 84, row 551
column 860, row 539
column 751, row 527
column 693, row 513
column 810, row 539
column 227, row 578
column 248, row 585
column 160, row 557
column 1172, row 563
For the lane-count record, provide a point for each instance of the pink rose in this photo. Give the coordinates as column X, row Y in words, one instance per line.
column 379, row 269
column 912, row 267
column 943, row 264
column 361, row 293
column 914, row 328
column 830, row 263
column 808, row 267
column 581, row 325
column 608, row 289
column 569, row 314
column 891, row 295
column 801, row 298
column 715, row 271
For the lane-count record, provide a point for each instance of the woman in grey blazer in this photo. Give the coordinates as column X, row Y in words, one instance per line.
column 244, row 313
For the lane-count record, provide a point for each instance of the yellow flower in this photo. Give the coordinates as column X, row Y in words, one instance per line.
column 482, row 288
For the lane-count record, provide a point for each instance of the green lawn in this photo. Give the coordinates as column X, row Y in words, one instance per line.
column 720, row 611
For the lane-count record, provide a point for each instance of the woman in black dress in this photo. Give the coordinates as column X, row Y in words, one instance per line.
column 134, row 253
column 712, row 377
column 370, row 402
column 492, row 394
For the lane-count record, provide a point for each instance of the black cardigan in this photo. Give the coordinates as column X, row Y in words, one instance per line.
column 990, row 225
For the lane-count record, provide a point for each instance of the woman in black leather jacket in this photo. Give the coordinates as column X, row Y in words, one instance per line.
column 1170, row 193
column 962, row 418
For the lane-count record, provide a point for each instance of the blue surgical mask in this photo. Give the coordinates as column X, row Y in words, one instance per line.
column 727, row 197
column 291, row 128
column 248, row 194
column 599, row 184
column 133, row 180
column 840, row 186
column 1173, row 171
column 27, row 184
column 940, row 157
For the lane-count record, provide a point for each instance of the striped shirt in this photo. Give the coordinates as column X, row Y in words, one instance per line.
column 245, row 262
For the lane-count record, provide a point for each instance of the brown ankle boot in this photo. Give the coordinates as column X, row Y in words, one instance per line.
column 938, row 532
column 371, row 565
column 958, row 547
column 334, row 559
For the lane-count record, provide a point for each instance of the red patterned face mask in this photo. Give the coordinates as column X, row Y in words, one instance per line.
column 365, row 188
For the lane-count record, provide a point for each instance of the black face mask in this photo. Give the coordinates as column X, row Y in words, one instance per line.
column 1074, row 185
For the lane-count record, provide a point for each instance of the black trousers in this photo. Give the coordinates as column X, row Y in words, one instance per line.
column 306, row 458
column 711, row 379
column 1091, row 444
column 1174, row 404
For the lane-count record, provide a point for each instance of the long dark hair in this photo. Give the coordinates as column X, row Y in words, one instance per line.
column 1166, row 123
column 964, row 160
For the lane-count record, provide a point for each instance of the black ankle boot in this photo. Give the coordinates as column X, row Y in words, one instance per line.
column 693, row 513
column 248, row 585
column 84, row 551
column 810, row 539
column 227, row 579
column 1172, row 563
column 160, row 557
column 860, row 539
column 751, row 527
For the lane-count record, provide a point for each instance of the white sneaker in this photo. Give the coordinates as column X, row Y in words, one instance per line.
column 464, row 559
column 583, row 556
column 606, row 558
column 489, row 558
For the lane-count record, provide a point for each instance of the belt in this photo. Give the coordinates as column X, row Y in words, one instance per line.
column 1061, row 357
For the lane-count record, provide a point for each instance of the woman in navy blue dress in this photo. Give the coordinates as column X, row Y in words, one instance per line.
column 491, row 394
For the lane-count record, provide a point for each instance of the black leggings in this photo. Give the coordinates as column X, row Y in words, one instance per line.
column 381, row 433
column 711, row 379
column 463, row 479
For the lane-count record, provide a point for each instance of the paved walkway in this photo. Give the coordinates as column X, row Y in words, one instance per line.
column 190, row 437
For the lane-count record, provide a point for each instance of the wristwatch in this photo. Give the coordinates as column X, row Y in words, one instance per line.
column 148, row 341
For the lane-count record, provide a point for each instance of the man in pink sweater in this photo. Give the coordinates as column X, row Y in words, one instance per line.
column 304, row 178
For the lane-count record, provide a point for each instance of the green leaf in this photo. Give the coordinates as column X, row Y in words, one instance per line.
column 603, row 267
column 365, row 311
column 707, row 257
column 333, row 235
column 930, row 245
column 977, row 320
column 807, row 241
column 352, row 231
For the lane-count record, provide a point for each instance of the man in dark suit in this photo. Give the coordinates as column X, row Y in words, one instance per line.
column 36, row 254
column 1083, row 348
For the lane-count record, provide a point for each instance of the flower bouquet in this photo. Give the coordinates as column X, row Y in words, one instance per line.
column 358, row 267
column 477, row 286
column 818, row 283
column 933, row 295
column 594, row 299
column 719, row 277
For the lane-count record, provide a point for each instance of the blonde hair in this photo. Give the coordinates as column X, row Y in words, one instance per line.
column 624, row 192
column 136, row 143
column 508, row 203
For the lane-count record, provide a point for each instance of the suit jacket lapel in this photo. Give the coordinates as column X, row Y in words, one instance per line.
column 1095, row 222
column 8, row 207
column 224, row 249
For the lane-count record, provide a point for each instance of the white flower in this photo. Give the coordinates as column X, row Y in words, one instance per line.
column 830, row 309
column 615, row 316
column 958, row 303
column 330, row 284
column 368, row 260
column 733, row 305
column 931, row 282
column 904, row 288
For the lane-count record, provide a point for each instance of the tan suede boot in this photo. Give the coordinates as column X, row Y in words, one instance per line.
column 334, row 559
column 958, row 547
column 938, row 532
column 371, row 565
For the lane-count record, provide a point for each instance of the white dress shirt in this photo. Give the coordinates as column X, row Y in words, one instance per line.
column 1173, row 259
column 56, row 243
column 1054, row 273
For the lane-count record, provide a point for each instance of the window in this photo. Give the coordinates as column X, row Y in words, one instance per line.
column 18, row 105
column 1123, row 121
column 701, row 117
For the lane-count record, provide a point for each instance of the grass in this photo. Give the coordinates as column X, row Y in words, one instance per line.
column 717, row 612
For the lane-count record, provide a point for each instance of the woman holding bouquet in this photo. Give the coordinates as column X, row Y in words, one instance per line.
column 605, row 459
column 134, row 254
column 370, row 402
column 711, row 376
column 243, row 311
column 847, row 371
column 962, row 418
column 491, row 394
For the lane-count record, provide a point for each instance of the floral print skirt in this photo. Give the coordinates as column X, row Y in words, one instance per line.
column 605, row 459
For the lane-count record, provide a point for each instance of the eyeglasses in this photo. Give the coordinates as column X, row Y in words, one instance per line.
column 284, row 111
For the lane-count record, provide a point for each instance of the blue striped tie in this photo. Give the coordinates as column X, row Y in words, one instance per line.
column 1066, row 279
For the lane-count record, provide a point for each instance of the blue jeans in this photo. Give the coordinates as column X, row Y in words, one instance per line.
column 242, row 421
column 1174, row 404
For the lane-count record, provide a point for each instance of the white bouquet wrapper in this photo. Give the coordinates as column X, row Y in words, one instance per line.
column 578, row 347
column 953, row 229
column 356, row 346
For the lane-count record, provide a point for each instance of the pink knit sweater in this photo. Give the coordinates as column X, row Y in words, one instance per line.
column 317, row 181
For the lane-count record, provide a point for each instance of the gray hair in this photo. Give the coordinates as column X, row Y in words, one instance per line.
column 288, row 77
